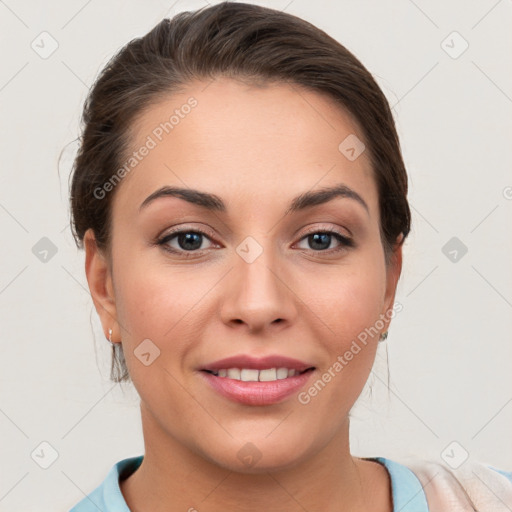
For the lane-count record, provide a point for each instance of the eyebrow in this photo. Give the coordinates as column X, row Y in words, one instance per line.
column 213, row 202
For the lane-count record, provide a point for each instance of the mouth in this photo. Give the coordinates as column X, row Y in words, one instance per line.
column 257, row 381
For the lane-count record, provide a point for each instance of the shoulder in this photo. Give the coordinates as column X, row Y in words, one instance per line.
column 107, row 496
column 474, row 485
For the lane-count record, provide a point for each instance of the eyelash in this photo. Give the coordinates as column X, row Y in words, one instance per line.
column 345, row 242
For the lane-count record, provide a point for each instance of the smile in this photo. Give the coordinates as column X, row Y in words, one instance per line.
column 248, row 385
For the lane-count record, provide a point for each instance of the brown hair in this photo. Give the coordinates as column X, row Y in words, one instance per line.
column 234, row 40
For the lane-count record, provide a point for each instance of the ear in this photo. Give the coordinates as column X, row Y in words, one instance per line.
column 99, row 277
column 393, row 272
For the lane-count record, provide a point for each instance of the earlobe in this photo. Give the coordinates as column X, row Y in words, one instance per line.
column 99, row 278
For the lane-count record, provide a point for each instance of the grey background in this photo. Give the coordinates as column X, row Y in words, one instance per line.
column 449, row 350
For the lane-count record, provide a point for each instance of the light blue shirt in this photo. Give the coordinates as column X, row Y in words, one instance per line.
column 407, row 492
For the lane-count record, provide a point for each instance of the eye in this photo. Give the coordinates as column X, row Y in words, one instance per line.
column 187, row 240
column 320, row 240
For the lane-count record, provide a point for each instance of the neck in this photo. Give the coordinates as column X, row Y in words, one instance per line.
column 173, row 478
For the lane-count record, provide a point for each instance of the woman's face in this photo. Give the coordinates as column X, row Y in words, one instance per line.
column 257, row 283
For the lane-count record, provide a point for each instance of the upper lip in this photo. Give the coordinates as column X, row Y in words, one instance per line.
column 262, row 363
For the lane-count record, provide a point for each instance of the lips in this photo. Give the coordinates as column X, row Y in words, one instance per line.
column 257, row 393
column 257, row 381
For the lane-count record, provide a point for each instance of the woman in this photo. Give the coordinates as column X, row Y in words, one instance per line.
column 242, row 200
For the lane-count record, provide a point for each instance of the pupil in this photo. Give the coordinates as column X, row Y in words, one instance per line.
column 187, row 242
column 320, row 238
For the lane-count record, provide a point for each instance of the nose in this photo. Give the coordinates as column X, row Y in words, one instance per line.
column 258, row 295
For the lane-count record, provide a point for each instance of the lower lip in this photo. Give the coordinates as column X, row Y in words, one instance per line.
column 257, row 393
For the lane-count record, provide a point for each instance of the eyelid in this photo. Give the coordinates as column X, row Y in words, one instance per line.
column 326, row 227
column 185, row 227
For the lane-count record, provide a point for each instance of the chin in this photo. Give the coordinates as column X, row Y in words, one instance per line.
column 258, row 456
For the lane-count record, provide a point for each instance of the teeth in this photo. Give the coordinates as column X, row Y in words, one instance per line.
column 252, row 375
column 282, row 373
column 270, row 374
column 234, row 373
column 249, row 375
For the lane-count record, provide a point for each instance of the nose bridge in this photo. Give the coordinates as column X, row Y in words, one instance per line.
column 257, row 294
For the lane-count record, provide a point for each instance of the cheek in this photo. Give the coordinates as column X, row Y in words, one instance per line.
column 350, row 309
column 157, row 307
column 164, row 304
column 345, row 301
column 348, row 305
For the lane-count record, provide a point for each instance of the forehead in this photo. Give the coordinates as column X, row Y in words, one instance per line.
column 244, row 142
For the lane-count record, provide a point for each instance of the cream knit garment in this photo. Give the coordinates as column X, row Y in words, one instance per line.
column 473, row 486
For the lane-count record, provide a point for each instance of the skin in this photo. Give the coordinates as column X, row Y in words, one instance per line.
column 256, row 148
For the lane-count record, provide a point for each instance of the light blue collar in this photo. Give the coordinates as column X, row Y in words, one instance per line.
column 407, row 492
